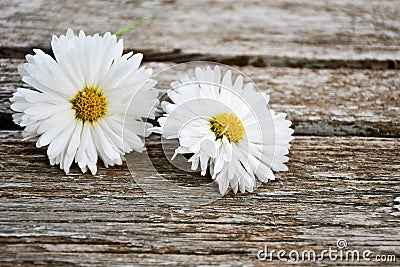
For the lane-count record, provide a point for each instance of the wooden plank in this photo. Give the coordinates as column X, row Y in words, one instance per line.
column 318, row 101
column 332, row 190
column 348, row 33
column 336, row 187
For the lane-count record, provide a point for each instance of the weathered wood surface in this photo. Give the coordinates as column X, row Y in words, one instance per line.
column 362, row 33
column 318, row 101
column 337, row 187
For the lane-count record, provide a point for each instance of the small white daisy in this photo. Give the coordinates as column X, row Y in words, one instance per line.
column 228, row 127
column 397, row 203
column 80, row 99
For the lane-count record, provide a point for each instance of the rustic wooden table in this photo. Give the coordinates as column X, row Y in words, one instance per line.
column 333, row 66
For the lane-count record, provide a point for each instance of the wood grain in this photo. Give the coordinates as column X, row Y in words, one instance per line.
column 332, row 66
column 333, row 190
column 361, row 34
column 318, row 101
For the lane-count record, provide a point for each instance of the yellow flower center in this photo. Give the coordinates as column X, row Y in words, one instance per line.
column 89, row 104
column 227, row 125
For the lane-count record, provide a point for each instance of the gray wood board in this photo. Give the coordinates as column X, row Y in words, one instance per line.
column 336, row 188
column 359, row 34
column 318, row 101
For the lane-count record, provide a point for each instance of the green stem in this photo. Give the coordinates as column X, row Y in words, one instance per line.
column 130, row 27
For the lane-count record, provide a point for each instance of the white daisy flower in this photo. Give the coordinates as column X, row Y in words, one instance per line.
column 228, row 127
column 80, row 99
column 397, row 203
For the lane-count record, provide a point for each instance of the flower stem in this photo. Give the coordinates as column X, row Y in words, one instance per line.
column 130, row 27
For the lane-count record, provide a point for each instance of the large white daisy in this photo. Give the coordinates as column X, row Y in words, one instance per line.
column 80, row 99
column 228, row 128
